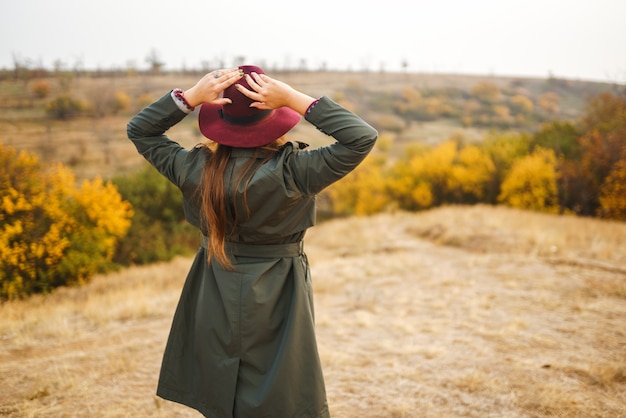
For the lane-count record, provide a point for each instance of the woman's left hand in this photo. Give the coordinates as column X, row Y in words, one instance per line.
column 209, row 87
column 269, row 93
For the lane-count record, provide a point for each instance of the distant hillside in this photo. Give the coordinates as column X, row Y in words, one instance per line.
column 409, row 107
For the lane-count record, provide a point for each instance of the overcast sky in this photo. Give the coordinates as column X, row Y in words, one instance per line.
column 579, row 39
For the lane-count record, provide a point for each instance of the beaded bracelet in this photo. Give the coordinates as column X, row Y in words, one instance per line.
column 179, row 97
column 311, row 106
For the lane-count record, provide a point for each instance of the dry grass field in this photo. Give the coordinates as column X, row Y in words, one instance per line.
column 455, row 312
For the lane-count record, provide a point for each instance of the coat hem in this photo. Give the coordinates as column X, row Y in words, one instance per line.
column 186, row 400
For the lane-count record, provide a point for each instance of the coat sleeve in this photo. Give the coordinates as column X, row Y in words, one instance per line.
column 313, row 170
column 147, row 132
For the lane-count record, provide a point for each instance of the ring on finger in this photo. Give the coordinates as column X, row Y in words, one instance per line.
column 217, row 74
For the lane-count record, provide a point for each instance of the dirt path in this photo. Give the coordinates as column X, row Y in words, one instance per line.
column 414, row 329
column 406, row 328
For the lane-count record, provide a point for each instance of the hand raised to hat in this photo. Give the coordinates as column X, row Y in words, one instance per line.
column 269, row 93
column 209, row 87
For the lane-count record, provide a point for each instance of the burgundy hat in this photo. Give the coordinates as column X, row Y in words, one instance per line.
column 239, row 125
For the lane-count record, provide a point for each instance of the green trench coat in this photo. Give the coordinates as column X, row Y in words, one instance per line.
column 242, row 342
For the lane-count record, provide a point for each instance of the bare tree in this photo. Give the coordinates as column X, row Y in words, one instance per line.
column 303, row 65
column 131, row 67
column 79, row 66
column 405, row 65
column 20, row 68
column 155, row 62
column 58, row 66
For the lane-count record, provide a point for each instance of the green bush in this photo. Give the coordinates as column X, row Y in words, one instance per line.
column 560, row 136
column 159, row 231
column 64, row 107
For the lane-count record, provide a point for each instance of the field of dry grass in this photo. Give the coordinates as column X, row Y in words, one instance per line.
column 454, row 312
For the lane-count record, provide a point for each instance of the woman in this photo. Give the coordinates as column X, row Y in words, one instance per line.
column 242, row 341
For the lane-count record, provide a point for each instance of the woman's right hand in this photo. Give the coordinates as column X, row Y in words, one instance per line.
column 209, row 87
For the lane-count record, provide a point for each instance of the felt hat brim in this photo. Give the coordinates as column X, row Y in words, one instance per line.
column 256, row 134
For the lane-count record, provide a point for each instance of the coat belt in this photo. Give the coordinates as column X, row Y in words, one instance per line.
column 292, row 249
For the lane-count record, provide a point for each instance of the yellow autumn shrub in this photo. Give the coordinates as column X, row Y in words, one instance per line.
column 401, row 183
column 423, row 179
column 121, row 102
column 53, row 232
column 522, row 104
column 613, row 193
column 531, row 183
column 472, row 174
column 486, row 91
column 363, row 191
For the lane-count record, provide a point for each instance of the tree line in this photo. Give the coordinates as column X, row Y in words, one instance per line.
column 567, row 167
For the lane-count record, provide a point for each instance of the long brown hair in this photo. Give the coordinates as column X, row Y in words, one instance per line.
column 213, row 195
